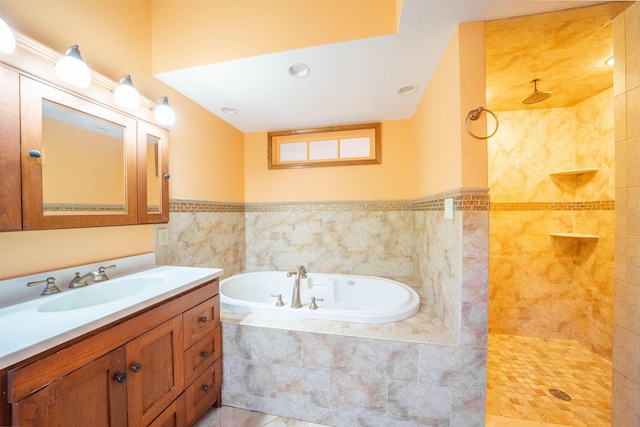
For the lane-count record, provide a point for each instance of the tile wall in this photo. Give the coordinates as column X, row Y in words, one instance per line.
column 543, row 286
column 626, row 354
column 353, row 380
column 204, row 234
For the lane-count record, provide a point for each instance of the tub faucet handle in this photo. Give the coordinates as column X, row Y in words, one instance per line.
column 313, row 305
column 279, row 303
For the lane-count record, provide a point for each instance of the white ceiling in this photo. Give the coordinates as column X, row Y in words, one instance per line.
column 350, row 82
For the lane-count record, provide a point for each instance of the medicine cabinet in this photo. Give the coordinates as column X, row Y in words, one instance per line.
column 69, row 161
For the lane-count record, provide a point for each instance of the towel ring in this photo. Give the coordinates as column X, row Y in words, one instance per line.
column 475, row 115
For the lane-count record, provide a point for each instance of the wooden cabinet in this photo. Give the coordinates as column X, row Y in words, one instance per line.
column 156, row 376
column 10, row 205
column 162, row 367
column 94, row 395
column 71, row 157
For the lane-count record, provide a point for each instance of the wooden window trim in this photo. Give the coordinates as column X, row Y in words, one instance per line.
column 275, row 138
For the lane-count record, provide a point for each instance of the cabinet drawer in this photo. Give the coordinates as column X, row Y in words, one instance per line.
column 173, row 416
column 204, row 392
column 201, row 320
column 202, row 354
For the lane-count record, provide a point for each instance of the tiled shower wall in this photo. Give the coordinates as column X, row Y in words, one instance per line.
column 543, row 286
column 626, row 354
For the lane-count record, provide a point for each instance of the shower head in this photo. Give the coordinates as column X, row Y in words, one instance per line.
column 536, row 96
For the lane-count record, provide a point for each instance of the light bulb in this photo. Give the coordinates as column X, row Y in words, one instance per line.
column 125, row 94
column 72, row 69
column 163, row 112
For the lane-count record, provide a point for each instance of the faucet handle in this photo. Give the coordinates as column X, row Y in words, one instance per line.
column 279, row 303
column 103, row 275
column 51, row 287
column 313, row 305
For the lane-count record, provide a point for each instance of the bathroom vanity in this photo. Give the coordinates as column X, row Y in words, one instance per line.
column 152, row 359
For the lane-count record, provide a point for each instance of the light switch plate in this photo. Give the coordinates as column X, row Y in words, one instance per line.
column 163, row 236
column 448, row 208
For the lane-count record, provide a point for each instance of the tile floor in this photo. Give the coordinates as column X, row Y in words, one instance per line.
column 521, row 370
column 234, row 417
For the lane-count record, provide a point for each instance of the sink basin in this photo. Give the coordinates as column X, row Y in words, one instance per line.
column 100, row 293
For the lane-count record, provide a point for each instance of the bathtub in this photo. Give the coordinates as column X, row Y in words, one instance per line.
column 350, row 298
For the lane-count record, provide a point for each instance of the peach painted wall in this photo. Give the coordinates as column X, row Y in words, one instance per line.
column 446, row 156
column 390, row 180
column 206, row 154
column 258, row 27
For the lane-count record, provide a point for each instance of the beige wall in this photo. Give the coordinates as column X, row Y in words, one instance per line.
column 446, row 156
column 206, row 154
column 390, row 180
column 626, row 359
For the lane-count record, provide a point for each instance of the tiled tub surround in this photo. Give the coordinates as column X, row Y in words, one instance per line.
column 332, row 373
column 426, row 370
column 543, row 286
column 204, row 234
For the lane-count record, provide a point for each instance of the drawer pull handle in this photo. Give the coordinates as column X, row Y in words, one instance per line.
column 205, row 388
column 204, row 319
column 121, row 377
column 136, row 367
column 204, row 354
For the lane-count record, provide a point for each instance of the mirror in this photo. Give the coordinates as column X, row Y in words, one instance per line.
column 154, row 176
column 78, row 160
column 83, row 163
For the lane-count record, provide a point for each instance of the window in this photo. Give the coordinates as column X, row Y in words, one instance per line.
column 329, row 146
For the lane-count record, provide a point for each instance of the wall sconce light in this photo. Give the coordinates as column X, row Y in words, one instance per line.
column 72, row 69
column 125, row 94
column 7, row 38
column 163, row 112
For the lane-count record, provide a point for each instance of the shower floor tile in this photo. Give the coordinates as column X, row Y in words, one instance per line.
column 522, row 370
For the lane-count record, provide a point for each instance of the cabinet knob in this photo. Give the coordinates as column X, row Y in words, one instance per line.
column 204, row 319
column 166, row 176
column 204, row 354
column 205, row 388
column 35, row 154
column 136, row 367
column 121, row 377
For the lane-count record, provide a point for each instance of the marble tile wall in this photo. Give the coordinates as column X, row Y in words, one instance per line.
column 353, row 381
column 204, row 234
column 626, row 352
column 543, row 286
column 368, row 238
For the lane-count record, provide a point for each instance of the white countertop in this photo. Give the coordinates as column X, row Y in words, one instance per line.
column 25, row 331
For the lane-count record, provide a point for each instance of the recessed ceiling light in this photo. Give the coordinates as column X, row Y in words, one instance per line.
column 407, row 90
column 229, row 110
column 609, row 61
column 299, row 70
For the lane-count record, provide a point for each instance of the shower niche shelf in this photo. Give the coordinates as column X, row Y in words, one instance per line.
column 574, row 171
column 575, row 235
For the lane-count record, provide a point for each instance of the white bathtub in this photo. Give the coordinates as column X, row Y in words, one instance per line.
column 349, row 298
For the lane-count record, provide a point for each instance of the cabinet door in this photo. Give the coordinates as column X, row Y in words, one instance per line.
column 78, row 161
column 10, row 205
column 154, row 362
column 153, row 174
column 67, row 402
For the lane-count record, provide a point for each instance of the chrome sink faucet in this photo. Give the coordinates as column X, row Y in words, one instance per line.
column 93, row 276
column 301, row 273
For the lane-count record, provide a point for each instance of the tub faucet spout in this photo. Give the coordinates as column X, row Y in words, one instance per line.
column 301, row 273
